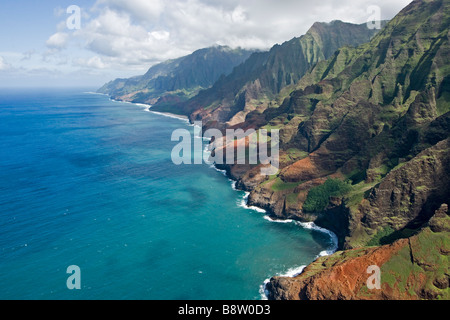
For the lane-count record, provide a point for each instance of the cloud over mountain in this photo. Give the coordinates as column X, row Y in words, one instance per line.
column 142, row 32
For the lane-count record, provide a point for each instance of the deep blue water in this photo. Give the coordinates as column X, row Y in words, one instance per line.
column 89, row 182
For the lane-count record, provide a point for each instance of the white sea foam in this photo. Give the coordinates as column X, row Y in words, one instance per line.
column 334, row 238
column 263, row 292
column 257, row 209
column 312, row 226
column 268, row 218
column 168, row 115
column 224, row 172
column 291, row 273
column 243, row 203
column 148, row 107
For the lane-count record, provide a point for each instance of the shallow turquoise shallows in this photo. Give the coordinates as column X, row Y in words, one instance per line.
column 89, row 182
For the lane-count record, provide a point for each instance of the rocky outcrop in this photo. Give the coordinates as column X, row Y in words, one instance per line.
column 411, row 269
column 339, row 277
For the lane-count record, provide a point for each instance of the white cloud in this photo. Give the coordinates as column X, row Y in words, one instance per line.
column 3, row 64
column 160, row 35
column 58, row 41
column 239, row 15
column 118, row 40
column 134, row 34
column 140, row 10
column 141, row 31
column 94, row 62
column 59, row 11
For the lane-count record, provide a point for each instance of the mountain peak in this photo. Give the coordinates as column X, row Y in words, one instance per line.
column 265, row 75
column 180, row 78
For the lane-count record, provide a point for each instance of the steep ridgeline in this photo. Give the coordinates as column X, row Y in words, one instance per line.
column 252, row 85
column 176, row 80
column 366, row 153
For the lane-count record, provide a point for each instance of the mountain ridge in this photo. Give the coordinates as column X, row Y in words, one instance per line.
column 378, row 117
column 364, row 146
column 177, row 79
column 262, row 77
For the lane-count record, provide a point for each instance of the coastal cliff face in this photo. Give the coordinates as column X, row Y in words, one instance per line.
column 376, row 116
column 240, row 98
column 364, row 120
column 365, row 116
column 405, row 199
column 411, row 269
column 391, row 141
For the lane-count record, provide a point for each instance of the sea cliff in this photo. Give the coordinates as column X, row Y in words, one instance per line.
column 364, row 149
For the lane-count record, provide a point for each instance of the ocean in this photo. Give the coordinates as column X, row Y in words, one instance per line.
column 89, row 182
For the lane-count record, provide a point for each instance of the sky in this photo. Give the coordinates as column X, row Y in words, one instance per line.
column 82, row 43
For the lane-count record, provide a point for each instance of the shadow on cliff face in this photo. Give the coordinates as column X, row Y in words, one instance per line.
column 432, row 204
column 336, row 220
column 440, row 194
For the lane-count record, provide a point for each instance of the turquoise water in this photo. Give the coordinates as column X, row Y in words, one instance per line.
column 89, row 182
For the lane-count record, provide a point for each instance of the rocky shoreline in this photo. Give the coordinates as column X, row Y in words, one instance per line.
column 405, row 263
column 364, row 149
column 422, row 183
column 240, row 186
column 349, row 259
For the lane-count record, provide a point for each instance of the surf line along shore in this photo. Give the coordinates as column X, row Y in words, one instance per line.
column 258, row 140
column 244, row 204
column 147, row 107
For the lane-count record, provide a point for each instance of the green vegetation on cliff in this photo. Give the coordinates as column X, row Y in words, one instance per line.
column 368, row 111
column 413, row 268
column 319, row 197
column 250, row 88
column 356, row 105
column 379, row 116
column 177, row 80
